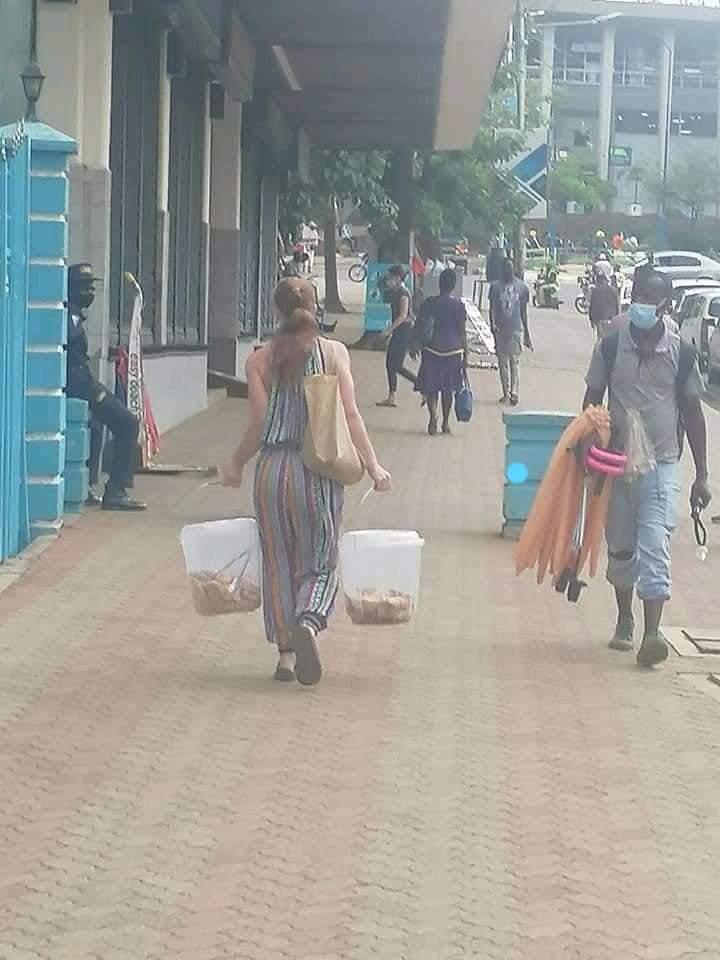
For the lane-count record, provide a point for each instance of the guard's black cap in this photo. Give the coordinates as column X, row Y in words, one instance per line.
column 81, row 273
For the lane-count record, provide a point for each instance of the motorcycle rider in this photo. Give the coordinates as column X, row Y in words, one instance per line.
column 602, row 266
column 604, row 306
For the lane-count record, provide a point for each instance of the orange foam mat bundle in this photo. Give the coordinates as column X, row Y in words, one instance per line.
column 567, row 519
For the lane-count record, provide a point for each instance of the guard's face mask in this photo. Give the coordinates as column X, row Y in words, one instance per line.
column 84, row 296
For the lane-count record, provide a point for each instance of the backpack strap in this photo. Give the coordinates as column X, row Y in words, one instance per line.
column 687, row 358
column 609, row 350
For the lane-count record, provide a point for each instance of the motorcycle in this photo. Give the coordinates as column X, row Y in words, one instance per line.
column 358, row 271
column 582, row 301
column 545, row 289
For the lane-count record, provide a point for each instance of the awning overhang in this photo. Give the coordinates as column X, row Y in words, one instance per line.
column 378, row 74
column 476, row 35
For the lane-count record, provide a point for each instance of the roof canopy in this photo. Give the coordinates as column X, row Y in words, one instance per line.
column 380, row 73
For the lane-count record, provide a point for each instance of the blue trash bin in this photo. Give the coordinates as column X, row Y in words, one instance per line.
column 530, row 439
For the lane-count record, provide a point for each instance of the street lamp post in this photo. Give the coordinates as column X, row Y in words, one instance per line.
column 32, row 76
column 666, row 143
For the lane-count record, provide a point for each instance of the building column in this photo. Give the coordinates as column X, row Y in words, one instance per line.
column 224, row 327
column 547, row 67
column 163, row 187
column 665, row 91
column 205, row 218
column 605, row 111
column 75, row 50
column 404, row 196
column 717, row 108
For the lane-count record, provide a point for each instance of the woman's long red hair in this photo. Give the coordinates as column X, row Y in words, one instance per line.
column 295, row 302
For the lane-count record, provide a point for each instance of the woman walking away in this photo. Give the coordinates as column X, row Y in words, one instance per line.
column 298, row 512
column 442, row 325
column 509, row 322
column 399, row 332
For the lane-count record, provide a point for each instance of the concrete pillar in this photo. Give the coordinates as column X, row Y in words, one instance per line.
column 75, row 50
column 605, row 111
column 546, row 70
column 667, row 62
column 404, row 195
column 163, row 186
column 61, row 51
column 14, row 53
column 224, row 326
column 205, row 219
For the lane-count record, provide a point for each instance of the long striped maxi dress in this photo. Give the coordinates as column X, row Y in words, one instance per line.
column 299, row 515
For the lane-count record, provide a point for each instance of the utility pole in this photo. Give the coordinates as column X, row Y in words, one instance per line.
column 33, row 31
column 520, row 59
column 668, row 133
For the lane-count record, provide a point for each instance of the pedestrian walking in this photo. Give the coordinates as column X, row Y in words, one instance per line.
column 299, row 512
column 442, row 326
column 604, row 306
column 655, row 389
column 310, row 236
column 509, row 298
column 399, row 333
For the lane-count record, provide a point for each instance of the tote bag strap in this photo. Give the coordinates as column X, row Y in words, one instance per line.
column 325, row 366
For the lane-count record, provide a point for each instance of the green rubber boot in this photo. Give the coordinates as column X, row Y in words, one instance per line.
column 653, row 650
column 623, row 638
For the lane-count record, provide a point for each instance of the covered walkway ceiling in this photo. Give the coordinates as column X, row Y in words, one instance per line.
column 380, row 73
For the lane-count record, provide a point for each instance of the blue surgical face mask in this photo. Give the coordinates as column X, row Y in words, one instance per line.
column 643, row 315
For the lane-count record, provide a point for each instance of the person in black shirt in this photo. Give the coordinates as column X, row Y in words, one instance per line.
column 105, row 409
column 604, row 306
column 399, row 332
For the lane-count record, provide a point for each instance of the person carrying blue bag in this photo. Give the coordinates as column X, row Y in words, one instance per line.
column 441, row 332
column 464, row 402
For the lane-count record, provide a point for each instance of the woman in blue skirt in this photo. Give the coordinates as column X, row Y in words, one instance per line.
column 442, row 321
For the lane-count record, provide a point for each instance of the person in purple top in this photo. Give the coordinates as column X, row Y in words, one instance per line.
column 442, row 325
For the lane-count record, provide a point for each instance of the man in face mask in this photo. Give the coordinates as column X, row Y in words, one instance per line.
column 648, row 371
column 105, row 409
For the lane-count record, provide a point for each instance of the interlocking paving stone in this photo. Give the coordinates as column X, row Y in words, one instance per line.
column 489, row 782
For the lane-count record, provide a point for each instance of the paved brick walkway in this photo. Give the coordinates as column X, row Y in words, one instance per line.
column 489, row 783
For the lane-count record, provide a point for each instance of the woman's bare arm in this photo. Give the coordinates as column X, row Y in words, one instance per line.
column 258, row 396
column 358, row 431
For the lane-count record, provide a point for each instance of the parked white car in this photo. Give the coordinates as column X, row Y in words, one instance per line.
column 699, row 320
column 681, row 265
column 683, row 290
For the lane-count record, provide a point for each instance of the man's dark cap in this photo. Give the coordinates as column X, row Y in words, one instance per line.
column 81, row 273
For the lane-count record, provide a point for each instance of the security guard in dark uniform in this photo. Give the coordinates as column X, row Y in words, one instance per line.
column 105, row 409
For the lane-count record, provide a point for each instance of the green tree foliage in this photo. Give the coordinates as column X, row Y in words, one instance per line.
column 472, row 191
column 574, row 179
column 337, row 176
column 692, row 185
column 466, row 191
column 695, row 184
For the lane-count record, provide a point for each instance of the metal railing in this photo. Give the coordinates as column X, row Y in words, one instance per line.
column 696, row 75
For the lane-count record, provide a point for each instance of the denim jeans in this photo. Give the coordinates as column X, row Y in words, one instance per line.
column 396, row 352
column 509, row 367
column 640, row 521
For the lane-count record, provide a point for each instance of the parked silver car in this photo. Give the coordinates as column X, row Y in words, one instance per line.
column 683, row 290
column 681, row 265
column 699, row 320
